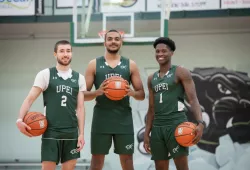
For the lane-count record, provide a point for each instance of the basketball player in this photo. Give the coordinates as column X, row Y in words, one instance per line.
column 167, row 88
column 63, row 97
column 112, row 120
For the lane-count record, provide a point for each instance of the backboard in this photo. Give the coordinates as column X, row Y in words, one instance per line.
column 142, row 21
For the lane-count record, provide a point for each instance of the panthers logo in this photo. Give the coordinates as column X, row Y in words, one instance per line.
column 224, row 97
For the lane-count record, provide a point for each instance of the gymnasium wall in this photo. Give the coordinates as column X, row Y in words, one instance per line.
column 20, row 60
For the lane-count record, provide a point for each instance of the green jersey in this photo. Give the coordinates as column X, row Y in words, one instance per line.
column 112, row 116
column 168, row 99
column 60, row 101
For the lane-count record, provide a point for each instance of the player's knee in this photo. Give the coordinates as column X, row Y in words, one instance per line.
column 181, row 163
column 182, row 167
column 97, row 162
column 161, row 165
column 127, row 159
column 127, row 162
column 69, row 165
column 124, row 156
column 48, row 165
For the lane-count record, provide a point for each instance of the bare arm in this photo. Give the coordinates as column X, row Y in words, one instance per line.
column 27, row 103
column 139, row 93
column 80, row 111
column 89, row 77
column 150, row 113
column 184, row 76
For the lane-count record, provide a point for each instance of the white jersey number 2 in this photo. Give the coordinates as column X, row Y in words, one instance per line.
column 63, row 102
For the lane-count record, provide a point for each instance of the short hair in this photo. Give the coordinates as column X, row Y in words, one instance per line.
column 167, row 41
column 112, row 30
column 61, row 42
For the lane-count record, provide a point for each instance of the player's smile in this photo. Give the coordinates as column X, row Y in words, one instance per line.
column 113, row 45
column 161, row 59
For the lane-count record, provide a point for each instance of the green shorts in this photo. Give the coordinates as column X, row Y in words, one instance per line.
column 59, row 150
column 101, row 143
column 163, row 144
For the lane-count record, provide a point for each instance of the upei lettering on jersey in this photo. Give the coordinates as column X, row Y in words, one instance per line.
column 111, row 75
column 64, row 89
column 161, row 87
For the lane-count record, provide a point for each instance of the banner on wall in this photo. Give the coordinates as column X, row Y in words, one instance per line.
column 122, row 6
column 235, row 4
column 17, row 7
column 69, row 3
column 39, row 7
column 182, row 5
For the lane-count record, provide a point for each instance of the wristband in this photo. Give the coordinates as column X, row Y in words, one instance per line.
column 19, row 120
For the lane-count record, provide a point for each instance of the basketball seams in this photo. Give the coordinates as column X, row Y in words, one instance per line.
column 38, row 129
column 32, row 113
column 33, row 120
column 116, row 93
column 115, row 89
column 36, row 120
column 185, row 133
column 113, row 96
column 186, row 127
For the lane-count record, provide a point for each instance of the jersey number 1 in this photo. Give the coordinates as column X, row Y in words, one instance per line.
column 63, row 102
column 161, row 98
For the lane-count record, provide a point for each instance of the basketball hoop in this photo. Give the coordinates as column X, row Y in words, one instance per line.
column 102, row 34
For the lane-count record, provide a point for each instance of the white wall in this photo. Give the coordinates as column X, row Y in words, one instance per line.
column 20, row 60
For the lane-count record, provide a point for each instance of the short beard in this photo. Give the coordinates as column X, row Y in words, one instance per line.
column 112, row 51
column 59, row 61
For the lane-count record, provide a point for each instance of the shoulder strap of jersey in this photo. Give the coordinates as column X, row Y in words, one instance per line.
column 74, row 73
column 173, row 67
column 99, row 61
column 52, row 70
column 155, row 74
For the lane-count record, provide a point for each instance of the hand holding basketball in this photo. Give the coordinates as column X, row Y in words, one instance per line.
column 23, row 127
column 198, row 133
column 37, row 123
column 101, row 90
column 129, row 91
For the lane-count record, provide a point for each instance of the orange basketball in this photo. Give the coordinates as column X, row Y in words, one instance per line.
column 184, row 133
column 116, row 88
column 37, row 122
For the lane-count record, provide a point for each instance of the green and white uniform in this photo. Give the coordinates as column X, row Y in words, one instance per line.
column 112, row 119
column 169, row 113
column 60, row 91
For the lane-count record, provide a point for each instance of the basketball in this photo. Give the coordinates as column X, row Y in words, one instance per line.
column 116, row 88
column 184, row 133
column 37, row 122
